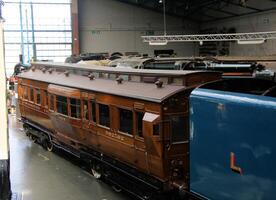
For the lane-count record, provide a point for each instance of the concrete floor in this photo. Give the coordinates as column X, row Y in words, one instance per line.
column 40, row 175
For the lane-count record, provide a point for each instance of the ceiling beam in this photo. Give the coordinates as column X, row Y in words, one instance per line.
column 193, row 10
column 222, row 11
column 200, row 6
column 148, row 7
column 158, row 10
column 240, row 5
column 242, row 15
column 195, row 4
column 209, row 16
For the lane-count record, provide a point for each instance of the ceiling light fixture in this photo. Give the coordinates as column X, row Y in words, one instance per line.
column 158, row 43
column 258, row 41
column 164, row 15
column 161, row 42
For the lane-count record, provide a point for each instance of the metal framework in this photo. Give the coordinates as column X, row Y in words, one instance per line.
column 35, row 34
column 256, row 36
column 201, row 11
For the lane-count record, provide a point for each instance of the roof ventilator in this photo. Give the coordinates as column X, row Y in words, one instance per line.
column 50, row 70
column 66, row 73
column 91, row 76
column 44, row 69
column 159, row 83
column 33, row 69
column 119, row 80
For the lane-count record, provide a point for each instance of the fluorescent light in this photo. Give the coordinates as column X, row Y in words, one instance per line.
column 158, row 43
column 257, row 41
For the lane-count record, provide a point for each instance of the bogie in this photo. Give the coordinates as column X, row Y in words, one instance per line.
column 96, row 171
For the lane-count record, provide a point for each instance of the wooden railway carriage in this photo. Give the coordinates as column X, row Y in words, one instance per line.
column 130, row 126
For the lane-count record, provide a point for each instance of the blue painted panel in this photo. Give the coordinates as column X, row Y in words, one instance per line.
column 225, row 122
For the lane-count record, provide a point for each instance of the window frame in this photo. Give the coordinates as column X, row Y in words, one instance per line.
column 136, row 124
column 185, row 124
column 50, row 105
column 25, row 89
column 31, row 95
column 83, row 117
column 158, row 125
column 70, row 109
column 119, row 121
column 38, row 89
column 45, row 95
column 67, row 106
column 98, row 115
column 93, row 117
column 20, row 92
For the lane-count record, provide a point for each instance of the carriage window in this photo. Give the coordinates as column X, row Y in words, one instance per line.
column 85, row 110
column 25, row 95
column 178, row 128
column 75, row 108
column 139, row 118
column 126, row 121
column 46, row 98
column 61, row 105
column 156, row 129
column 38, row 96
column 104, row 115
column 52, row 102
column 93, row 107
column 32, row 94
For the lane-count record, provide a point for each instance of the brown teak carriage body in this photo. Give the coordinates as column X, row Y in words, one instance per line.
column 134, row 120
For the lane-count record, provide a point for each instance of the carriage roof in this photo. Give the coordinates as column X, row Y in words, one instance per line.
column 105, row 69
column 133, row 89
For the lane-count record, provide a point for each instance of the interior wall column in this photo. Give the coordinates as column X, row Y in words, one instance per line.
column 75, row 28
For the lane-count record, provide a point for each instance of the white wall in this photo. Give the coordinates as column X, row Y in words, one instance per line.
column 252, row 23
column 4, row 147
column 111, row 26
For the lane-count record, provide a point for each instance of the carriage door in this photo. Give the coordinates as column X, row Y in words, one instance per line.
column 176, row 135
column 65, row 119
column 85, row 110
column 151, row 131
column 89, row 118
column 22, row 96
column 139, row 141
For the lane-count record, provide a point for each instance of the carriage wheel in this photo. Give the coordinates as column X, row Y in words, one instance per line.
column 96, row 171
column 116, row 188
column 33, row 138
column 27, row 133
column 49, row 146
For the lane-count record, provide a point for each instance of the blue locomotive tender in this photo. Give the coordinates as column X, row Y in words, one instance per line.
column 232, row 140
